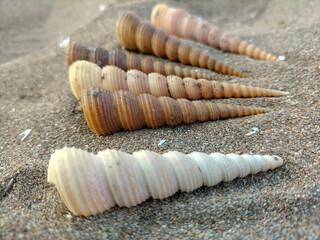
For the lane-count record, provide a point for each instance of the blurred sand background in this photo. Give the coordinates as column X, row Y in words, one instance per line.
column 35, row 94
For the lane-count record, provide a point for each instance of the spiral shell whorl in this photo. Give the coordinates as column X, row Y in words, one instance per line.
column 71, row 184
column 102, row 57
column 75, row 52
column 84, row 74
column 90, row 184
column 136, row 35
column 107, row 112
column 182, row 24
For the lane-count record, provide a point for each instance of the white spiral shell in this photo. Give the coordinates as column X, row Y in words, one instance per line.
column 90, row 184
column 83, row 74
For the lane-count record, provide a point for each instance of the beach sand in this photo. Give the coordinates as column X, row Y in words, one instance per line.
column 35, row 94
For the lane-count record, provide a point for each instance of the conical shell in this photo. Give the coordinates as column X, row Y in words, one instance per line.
column 90, row 184
column 179, row 22
column 83, row 74
column 146, row 38
column 102, row 57
column 108, row 112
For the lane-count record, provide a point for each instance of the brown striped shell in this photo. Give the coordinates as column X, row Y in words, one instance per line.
column 90, row 184
column 102, row 57
column 179, row 22
column 83, row 74
column 108, row 112
column 136, row 35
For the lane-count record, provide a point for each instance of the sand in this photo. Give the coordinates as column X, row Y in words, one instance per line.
column 35, row 94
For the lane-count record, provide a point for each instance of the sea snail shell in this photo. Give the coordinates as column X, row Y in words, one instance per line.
column 83, row 74
column 179, row 22
column 146, row 38
column 102, row 57
column 108, row 112
column 90, row 184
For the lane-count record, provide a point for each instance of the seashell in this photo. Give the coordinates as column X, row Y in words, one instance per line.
column 75, row 52
column 83, row 74
column 108, row 112
column 102, row 57
column 179, row 22
column 90, row 184
column 146, row 38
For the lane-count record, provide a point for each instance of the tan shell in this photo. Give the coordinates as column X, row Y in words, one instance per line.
column 90, row 184
column 83, row 74
column 108, row 112
column 146, row 38
column 102, row 57
column 179, row 22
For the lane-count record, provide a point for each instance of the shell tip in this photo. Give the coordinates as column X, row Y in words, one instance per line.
column 265, row 110
column 284, row 93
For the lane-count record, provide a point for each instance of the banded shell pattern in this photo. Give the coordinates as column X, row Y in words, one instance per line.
column 83, row 74
column 102, row 57
column 143, row 36
column 108, row 112
column 179, row 22
column 90, row 184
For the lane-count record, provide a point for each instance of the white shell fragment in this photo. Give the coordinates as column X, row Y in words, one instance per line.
column 253, row 132
column 64, row 43
column 90, row 184
column 101, row 7
column 24, row 134
column 162, row 141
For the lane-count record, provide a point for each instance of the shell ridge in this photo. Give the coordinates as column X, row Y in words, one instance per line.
column 79, row 182
column 57, row 167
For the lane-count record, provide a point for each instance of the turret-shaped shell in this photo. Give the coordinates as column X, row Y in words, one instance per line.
column 83, row 74
column 146, row 38
column 102, row 57
column 90, row 184
column 108, row 112
column 179, row 22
